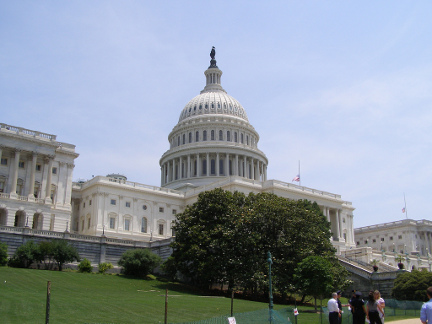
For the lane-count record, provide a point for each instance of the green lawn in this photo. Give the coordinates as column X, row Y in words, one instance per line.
column 94, row 298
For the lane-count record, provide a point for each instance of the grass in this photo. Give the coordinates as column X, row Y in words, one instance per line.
column 94, row 298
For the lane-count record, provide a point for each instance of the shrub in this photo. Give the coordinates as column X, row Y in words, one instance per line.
column 25, row 255
column 3, row 254
column 139, row 262
column 85, row 266
column 63, row 252
column 103, row 267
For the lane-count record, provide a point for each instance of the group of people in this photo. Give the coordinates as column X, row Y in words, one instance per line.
column 372, row 311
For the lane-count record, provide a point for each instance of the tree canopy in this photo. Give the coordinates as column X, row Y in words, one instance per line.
column 412, row 285
column 224, row 238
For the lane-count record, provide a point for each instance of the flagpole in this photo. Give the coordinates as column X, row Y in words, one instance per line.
column 299, row 174
column 406, row 211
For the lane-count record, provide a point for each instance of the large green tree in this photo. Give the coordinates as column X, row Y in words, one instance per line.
column 224, row 237
column 412, row 285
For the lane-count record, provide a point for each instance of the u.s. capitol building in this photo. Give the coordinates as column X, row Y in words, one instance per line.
column 213, row 145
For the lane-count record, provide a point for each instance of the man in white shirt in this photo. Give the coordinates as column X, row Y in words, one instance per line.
column 333, row 309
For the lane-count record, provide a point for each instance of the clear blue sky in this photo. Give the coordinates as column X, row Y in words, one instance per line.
column 344, row 87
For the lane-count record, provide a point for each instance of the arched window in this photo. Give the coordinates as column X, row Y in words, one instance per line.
column 196, row 136
column 235, row 137
column 184, row 139
column 247, row 139
column 144, row 225
column 221, row 167
column 190, row 137
column 205, row 135
column 178, row 140
column 204, row 167
column 241, row 138
column 212, row 135
column 220, row 135
column 228, row 136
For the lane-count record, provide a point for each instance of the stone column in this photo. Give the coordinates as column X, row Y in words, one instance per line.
column 236, row 169
column 198, row 164
column 340, row 224
column 208, row 164
column 49, row 180
column 188, row 172
column 180, row 176
column 173, row 169
column 68, row 185
column 245, row 174
column 15, row 174
column 337, row 223
column 32, row 176
column 227, row 173
column 217, row 164
column 252, row 169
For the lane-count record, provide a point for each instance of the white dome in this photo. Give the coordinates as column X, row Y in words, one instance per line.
column 211, row 103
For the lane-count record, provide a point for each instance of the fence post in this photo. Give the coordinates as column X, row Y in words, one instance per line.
column 166, row 306
column 47, row 315
column 232, row 303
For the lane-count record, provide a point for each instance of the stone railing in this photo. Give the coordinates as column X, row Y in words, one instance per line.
column 27, row 132
column 22, row 198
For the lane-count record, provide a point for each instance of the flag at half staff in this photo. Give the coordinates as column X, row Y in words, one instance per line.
column 296, row 178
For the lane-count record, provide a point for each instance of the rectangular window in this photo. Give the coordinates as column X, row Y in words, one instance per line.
column 161, row 229
column 112, row 223
column 400, row 237
column 90, row 202
column 174, row 211
column 84, row 205
column 4, row 161
column 127, row 224
column 21, row 164
column 127, row 204
column 38, row 167
column 88, row 223
column 382, row 239
column 113, row 202
column 161, row 209
column 366, row 242
column 144, row 225
column 358, row 243
column 54, row 170
column 391, row 238
column 374, row 241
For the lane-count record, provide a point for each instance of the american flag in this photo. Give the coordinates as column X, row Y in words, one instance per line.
column 403, row 210
column 296, row 178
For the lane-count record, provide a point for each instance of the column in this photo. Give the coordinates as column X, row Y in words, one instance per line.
column 245, row 175
column 68, row 185
column 15, row 174
column 265, row 172
column 32, row 176
column 208, row 164
column 188, row 172
column 173, row 170
column 180, row 168
column 198, row 166
column 217, row 164
column 162, row 175
column 337, row 223
column 61, row 183
column 227, row 165
column 252, row 169
column 49, row 180
column 339, row 212
column 236, row 169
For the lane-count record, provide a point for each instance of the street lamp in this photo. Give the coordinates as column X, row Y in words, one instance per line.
column 269, row 261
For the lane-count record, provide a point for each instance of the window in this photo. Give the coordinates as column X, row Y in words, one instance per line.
column 82, row 225
column 174, row 211
column 113, row 202
column 212, row 135
column 212, row 166
column 204, row 135
column 4, row 161
column 241, row 138
column 197, row 136
column 88, row 223
column 90, row 202
column 382, row 239
column 400, row 237
column 374, row 241
column 343, row 220
column 145, row 207
column 144, row 225
column 235, row 137
column 178, row 140
column 21, row 164
column 112, row 222
column 54, row 170
column 247, row 139
column 38, row 167
column 127, row 224
column 391, row 238
column 358, row 243
column 184, row 139
column 127, row 204
column 161, row 209
column 228, row 136
column 220, row 135
column 190, row 137
column 161, row 229
column 84, row 205
column 366, row 242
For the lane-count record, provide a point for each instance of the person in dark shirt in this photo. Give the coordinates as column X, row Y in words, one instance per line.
column 358, row 308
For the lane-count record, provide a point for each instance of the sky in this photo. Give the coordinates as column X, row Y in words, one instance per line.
column 342, row 88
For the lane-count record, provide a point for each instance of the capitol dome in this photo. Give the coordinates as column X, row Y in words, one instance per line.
column 213, row 139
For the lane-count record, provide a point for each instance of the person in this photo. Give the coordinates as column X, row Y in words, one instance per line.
column 339, row 295
column 426, row 310
column 353, row 296
column 381, row 302
column 373, row 309
column 333, row 309
column 358, row 308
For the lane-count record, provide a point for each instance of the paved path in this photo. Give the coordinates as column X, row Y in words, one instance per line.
column 407, row 321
